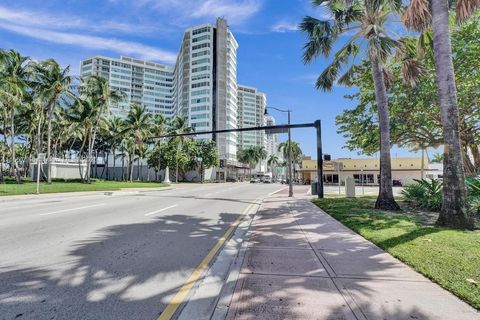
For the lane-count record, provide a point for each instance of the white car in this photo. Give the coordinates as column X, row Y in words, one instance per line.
column 267, row 180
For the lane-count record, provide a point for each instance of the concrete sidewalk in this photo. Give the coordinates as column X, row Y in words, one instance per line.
column 302, row 264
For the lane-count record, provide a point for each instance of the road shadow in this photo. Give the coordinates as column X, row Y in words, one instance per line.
column 127, row 271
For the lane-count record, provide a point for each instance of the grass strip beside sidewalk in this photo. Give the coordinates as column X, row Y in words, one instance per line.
column 449, row 257
column 9, row 189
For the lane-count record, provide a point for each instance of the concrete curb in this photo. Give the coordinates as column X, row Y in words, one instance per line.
column 211, row 296
column 82, row 193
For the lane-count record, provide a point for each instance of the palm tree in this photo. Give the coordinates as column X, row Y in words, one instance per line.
column 420, row 16
column 296, row 153
column 128, row 148
column 115, row 126
column 14, row 73
column 367, row 23
column 54, row 81
column 123, row 149
column 137, row 123
column 159, row 128
column 273, row 162
column 3, row 153
column 260, row 153
column 179, row 125
column 251, row 156
column 99, row 89
column 142, row 152
column 296, row 150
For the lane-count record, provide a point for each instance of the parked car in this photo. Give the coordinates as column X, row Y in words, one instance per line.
column 267, row 180
column 255, row 180
column 231, row 179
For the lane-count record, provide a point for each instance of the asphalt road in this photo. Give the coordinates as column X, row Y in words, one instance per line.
column 121, row 256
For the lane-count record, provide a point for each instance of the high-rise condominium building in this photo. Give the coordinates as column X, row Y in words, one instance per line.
column 271, row 138
column 201, row 86
column 205, row 83
column 251, row 109
column 145, row 83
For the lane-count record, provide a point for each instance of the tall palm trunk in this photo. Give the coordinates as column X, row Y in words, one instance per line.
column 2, row 179
column 105, row 165
column 80, row 153
column 130, row 168
column 39, row 150
column 385, row 198
column 13, row 151
column 130, row 163
column 123, row 169
column 49, row 143
column 454, row 207
column 91, row 141
column 159, row 161
column 114, row 177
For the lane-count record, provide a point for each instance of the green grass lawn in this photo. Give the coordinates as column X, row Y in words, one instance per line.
column 449, row 257
column 28, row 187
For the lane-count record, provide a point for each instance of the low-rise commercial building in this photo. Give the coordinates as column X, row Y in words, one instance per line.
column 366, row 171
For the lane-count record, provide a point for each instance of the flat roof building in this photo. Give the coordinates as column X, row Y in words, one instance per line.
column 367, row 170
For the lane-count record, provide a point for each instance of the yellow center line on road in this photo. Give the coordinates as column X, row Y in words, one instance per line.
column 183, row 292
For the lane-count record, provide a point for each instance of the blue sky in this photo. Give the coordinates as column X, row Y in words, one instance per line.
column 269, row 55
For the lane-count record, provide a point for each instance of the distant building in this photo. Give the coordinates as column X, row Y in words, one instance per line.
column 251, row 107
column 146, row 83
column 367, row 171
column 272, row 138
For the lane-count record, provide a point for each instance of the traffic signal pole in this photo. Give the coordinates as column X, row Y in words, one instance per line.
column 282, row 128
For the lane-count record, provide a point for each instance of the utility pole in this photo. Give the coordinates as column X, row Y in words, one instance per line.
column 290, row 180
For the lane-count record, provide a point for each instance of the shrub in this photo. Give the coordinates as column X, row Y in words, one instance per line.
column 473, row 185
column 424, row 194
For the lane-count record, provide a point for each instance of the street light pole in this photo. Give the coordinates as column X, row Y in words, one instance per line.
column 290, row 180
column 289, row 151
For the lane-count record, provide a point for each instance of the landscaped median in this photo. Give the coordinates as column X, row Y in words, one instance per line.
column 11, row 188
column 449, row 257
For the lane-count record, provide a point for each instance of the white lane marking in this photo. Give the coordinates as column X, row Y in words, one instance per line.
column 158, row 211
column 72, row 209
column 272, row 193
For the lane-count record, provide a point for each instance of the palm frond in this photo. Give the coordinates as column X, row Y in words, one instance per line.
column 321, row 37
column 327, row 78
column 465, row 9
column 348, row 77
column 424, row 43
column 380, row 47
column 417, row 15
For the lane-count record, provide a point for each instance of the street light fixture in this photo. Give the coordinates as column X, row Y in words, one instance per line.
column 290, row 182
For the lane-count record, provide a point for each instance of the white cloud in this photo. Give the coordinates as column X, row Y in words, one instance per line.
column 45, row 21
column 235, row 11
column 94, row 42
column 283, row 26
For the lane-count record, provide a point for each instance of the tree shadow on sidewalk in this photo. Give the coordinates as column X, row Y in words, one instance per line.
column 347, row 278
